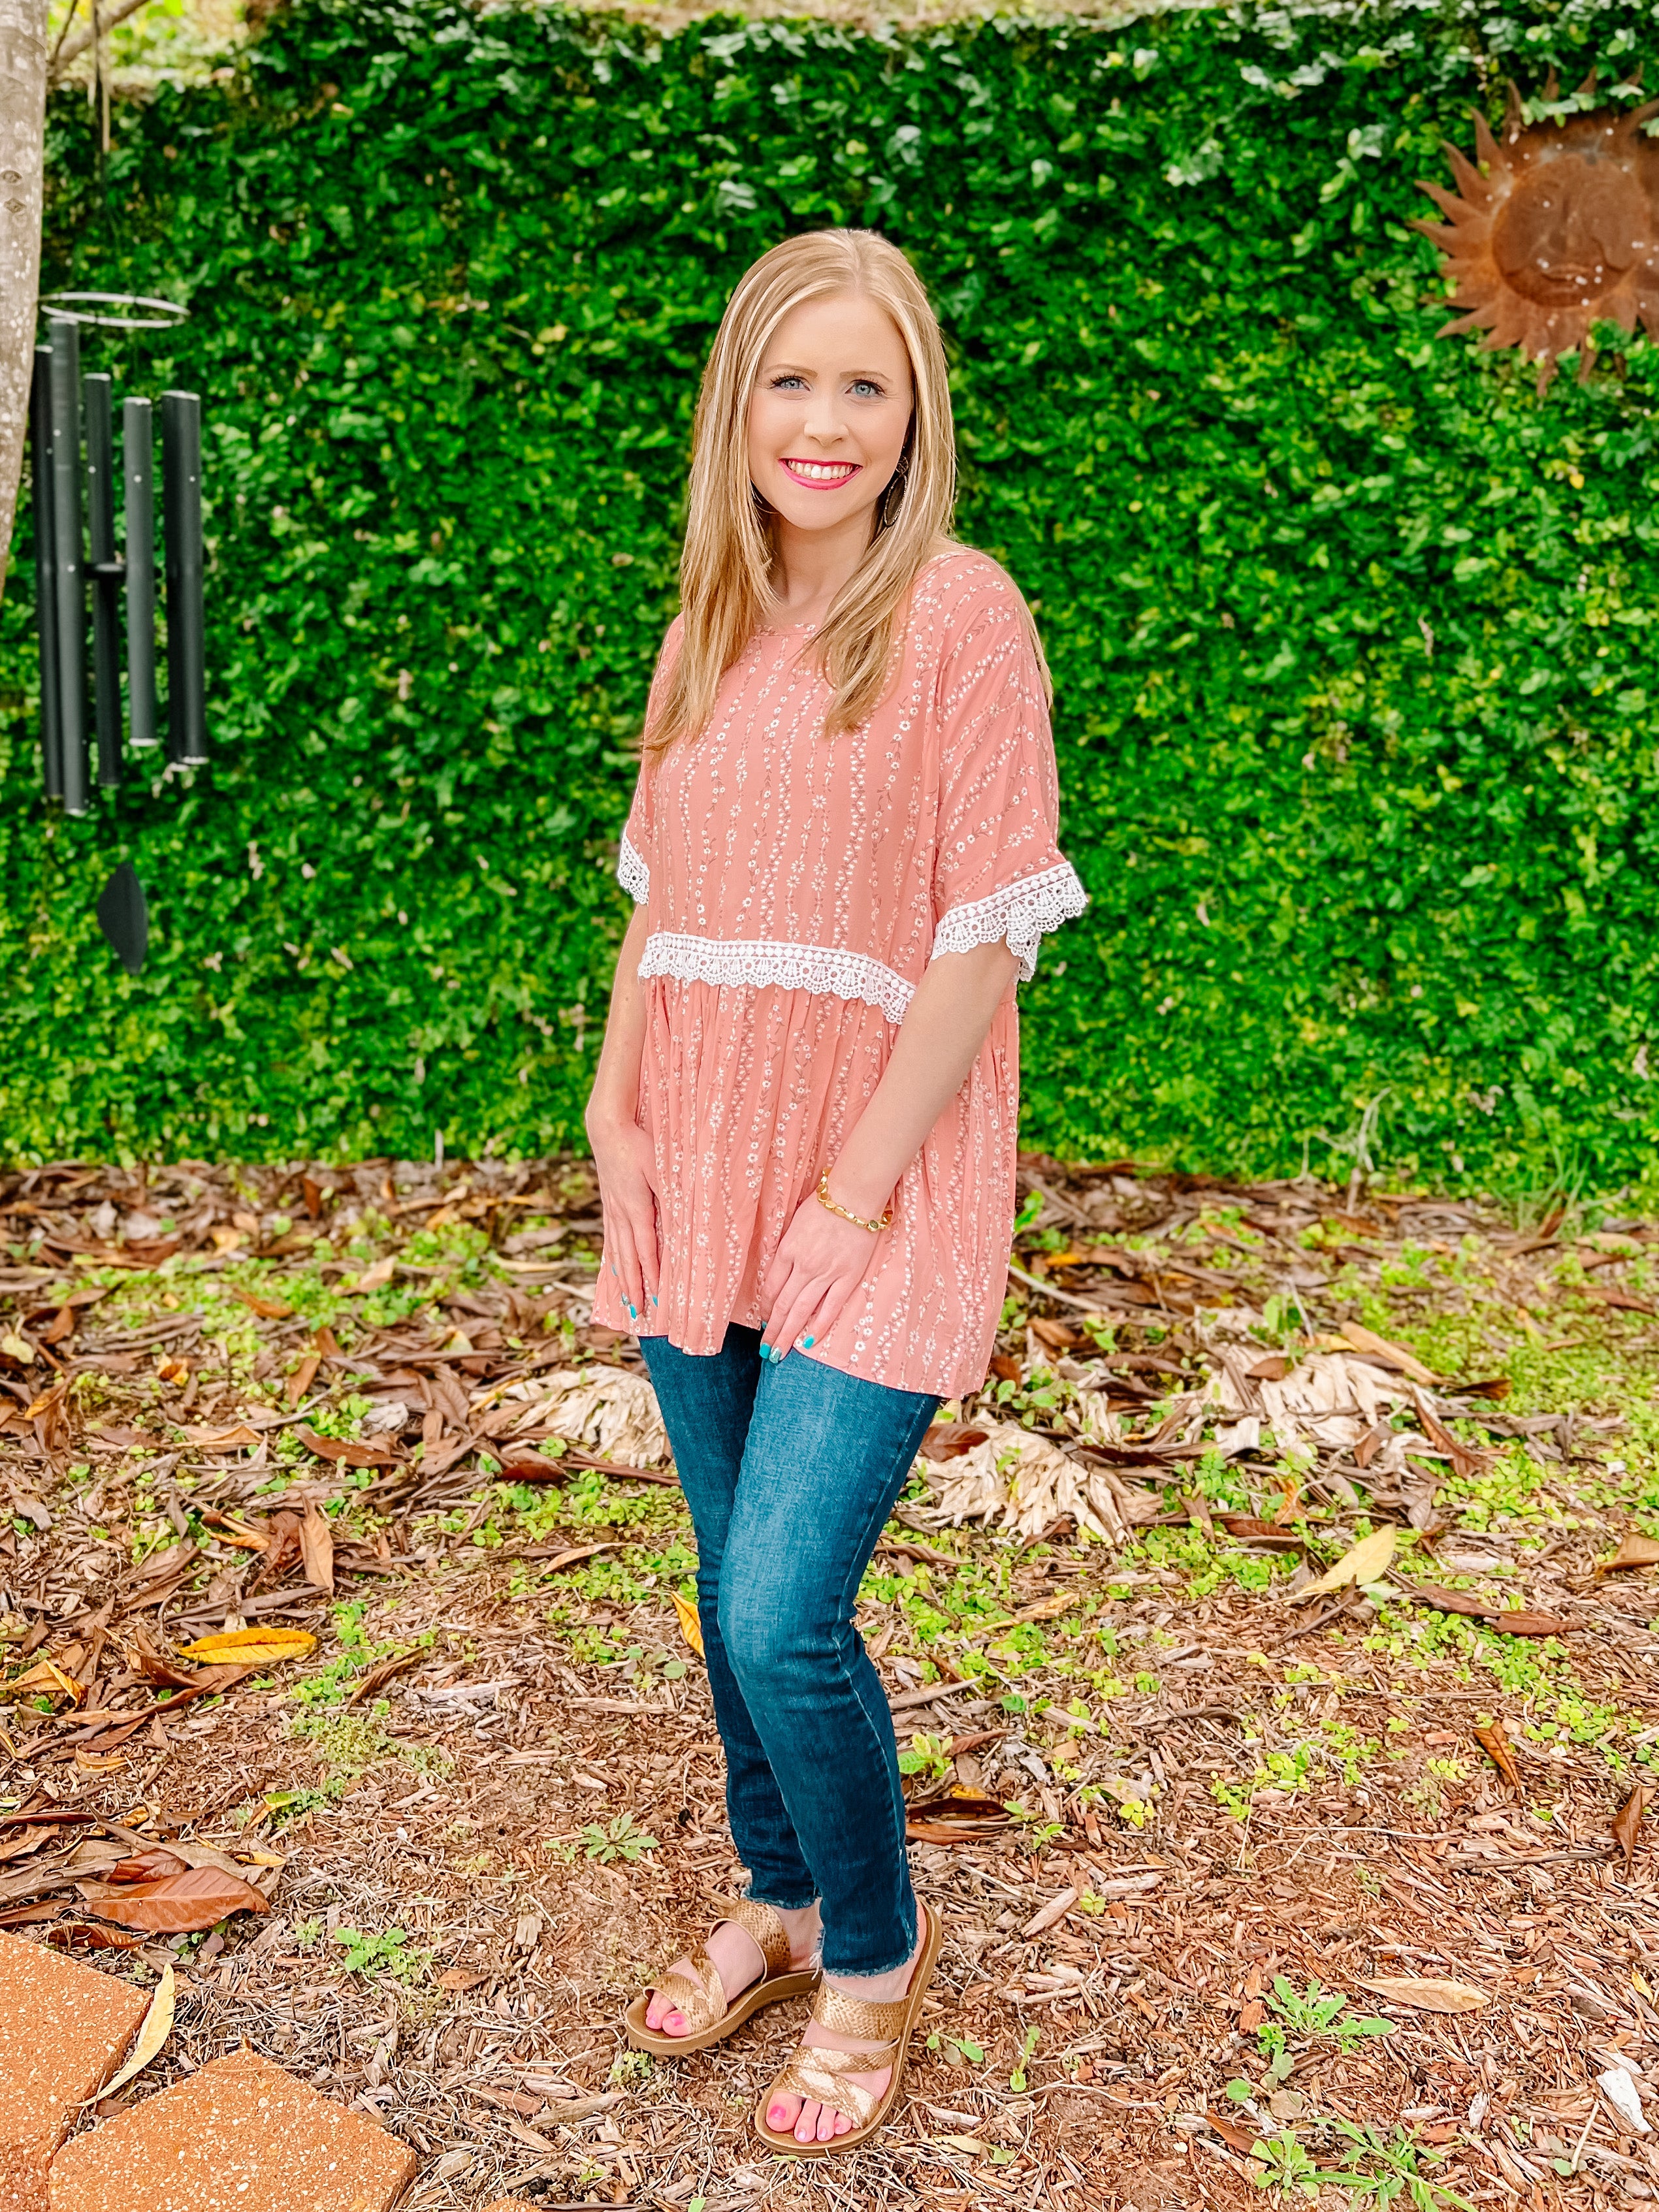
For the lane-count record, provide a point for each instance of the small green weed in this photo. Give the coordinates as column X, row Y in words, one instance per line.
column 387, row 1954
column 1016, row 2079
column 925, row 1756
column 1318, row 2012
column 1381, row 2170
column 621, row 1840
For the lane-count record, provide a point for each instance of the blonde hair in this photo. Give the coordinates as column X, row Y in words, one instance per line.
column 725, row 590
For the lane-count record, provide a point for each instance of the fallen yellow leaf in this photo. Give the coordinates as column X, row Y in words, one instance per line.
column 46, row 1677
column 1363, row 1564
column 158, row 2025
column 260, row 1647
column 690, row 1626
column 18, row 1348
column 373, row 1279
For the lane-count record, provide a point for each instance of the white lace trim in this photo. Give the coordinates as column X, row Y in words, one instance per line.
column 632, row 873
column 1019, row 915
column 754, row 960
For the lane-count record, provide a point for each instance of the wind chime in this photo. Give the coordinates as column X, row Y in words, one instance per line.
column 72, row 434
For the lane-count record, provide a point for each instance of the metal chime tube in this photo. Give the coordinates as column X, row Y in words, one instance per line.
column 46, row 573
column 138, row 468
column 68, row 578
column 181, row 515
column 100, row 402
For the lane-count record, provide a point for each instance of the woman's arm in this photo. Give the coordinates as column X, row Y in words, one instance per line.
column 621, row 1151
column 821, row 1260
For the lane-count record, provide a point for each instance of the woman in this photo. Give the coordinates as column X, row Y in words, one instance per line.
column 843, row 848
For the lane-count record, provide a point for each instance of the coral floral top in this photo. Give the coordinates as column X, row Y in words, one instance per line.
column 797, row 886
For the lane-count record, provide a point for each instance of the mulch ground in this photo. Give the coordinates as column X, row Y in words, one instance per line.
column 1211, row 1842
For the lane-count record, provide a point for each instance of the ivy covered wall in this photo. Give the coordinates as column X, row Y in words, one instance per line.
column 1353, row 633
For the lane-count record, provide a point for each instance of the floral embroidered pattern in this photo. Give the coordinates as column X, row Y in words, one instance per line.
column 792, row 967
column 1019, row 915
column 632, row 873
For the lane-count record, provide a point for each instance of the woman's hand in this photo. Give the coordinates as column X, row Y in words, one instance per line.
column 820, row 1261
column 627, row 1201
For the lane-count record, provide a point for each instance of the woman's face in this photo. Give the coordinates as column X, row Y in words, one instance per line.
column 829, row 411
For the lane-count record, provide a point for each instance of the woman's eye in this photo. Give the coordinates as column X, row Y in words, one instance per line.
column 788, row 382
column 864, row 389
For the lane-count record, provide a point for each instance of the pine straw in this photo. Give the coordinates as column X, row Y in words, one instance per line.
column 435, row 1815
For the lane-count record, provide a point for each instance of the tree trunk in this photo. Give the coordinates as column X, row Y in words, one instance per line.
column 22, row 131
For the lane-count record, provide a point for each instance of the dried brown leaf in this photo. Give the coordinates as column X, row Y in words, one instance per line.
column 1235, row 2137
column 153, row 1865
column 351, row 1455
column 317, row 1547
column 1496, row 1745
column 1627, row 1824
column 1634, row 1549
column 89, row 1936
column 948, row 1440
column 178, row 1904
column 1367, row 1340
column 1428, row 1994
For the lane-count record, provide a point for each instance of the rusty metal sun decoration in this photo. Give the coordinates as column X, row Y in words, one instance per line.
column 1556, row 230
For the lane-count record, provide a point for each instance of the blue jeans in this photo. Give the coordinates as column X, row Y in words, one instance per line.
column 791, row 1470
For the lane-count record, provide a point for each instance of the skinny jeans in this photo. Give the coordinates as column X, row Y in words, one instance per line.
column 790, row 1469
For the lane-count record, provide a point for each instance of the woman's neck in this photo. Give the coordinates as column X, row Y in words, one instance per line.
column 811, row 566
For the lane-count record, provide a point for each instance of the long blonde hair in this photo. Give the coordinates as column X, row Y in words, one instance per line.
column 725, row 590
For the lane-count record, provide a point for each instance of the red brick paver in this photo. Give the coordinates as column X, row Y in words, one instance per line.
column 238, row 2135
column 63, row 2029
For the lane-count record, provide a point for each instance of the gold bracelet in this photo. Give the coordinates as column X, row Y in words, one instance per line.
column 857, row 1219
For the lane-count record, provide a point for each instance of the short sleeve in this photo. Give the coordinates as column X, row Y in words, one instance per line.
column 998, row 874
column 632, row 863
column 633, row 859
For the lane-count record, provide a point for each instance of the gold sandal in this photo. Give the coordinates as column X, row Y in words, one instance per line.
column 701, row 1997
column 819, row 2074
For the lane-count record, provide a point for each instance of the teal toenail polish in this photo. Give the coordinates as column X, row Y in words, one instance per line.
column 807, row 1342
column 633, row 1311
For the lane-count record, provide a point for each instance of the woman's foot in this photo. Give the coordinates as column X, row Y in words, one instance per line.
column 738, row 1962
column 804, row 2118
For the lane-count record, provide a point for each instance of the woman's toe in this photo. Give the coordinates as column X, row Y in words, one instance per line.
column 673, row 2023
column 782, row 2113
column 828, row 2116
column 843, row 2125
column 806, row 2127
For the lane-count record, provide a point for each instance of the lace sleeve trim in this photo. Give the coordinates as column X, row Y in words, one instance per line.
column 632, row 873
column 1019, row 915
column 749, row 961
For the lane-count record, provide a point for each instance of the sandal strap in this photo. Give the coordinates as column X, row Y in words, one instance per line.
column 699, row 1997
column 763, row 1923
column 822, row 2075
column 871, row 2023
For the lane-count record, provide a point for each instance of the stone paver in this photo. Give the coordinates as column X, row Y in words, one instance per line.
column 238, row 2135
column 64, row 2029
